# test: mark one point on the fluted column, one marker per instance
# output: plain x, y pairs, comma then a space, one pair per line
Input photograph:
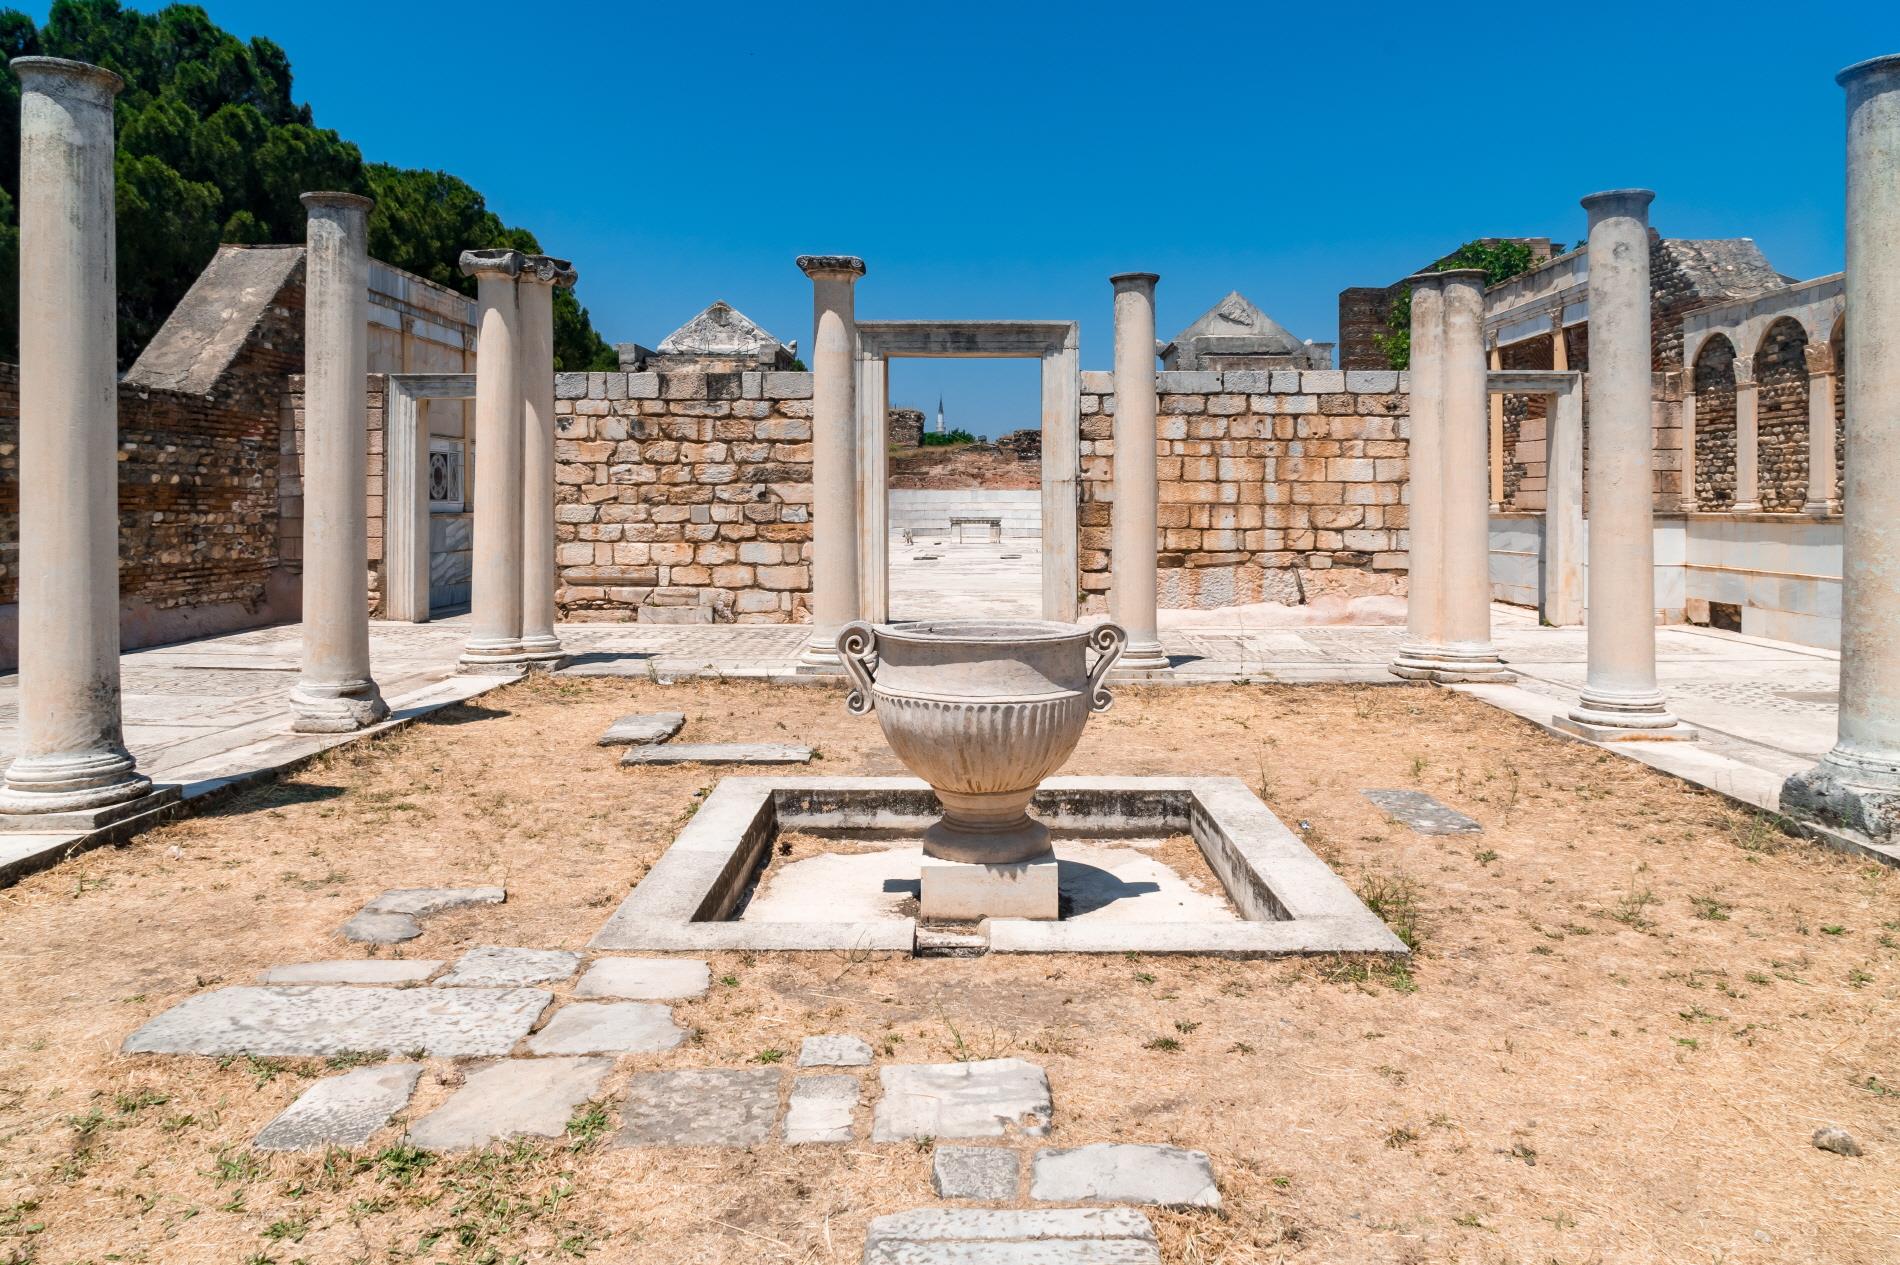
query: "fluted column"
1132, 587
834, 473
494, 644
1424, 582
1747, 437
1822, 383
1620, 699
540, 276
72, 757
1466, 653
336, 693
1857, 784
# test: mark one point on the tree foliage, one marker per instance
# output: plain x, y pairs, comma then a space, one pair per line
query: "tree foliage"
212, 148
1501, 260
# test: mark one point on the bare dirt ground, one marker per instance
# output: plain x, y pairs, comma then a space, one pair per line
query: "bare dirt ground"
1631, 1006
962, 466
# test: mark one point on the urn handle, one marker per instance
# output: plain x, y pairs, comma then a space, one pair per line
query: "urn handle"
857, 642
1108, 640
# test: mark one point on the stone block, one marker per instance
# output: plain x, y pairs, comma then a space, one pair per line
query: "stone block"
820, 1109
341, 1110
782, 385
962, 891
645, 979
297, 1021
1322, 381
1372, 381
969, 1236
570, 386
494, 966
642, 728
373, 928
614, 1027
1109, 1172
1098, 382
420, 902
1423, 813
718, 753
1285, 382
352, 971
833, 1051
513, 1098
709, 1107
987, 1098
990, 1173
1247, 381
643, 386
1187, 382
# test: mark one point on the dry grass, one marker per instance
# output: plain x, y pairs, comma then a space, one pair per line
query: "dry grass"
1631, 1006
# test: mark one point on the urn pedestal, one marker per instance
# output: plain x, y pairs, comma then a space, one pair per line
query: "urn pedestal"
983, 710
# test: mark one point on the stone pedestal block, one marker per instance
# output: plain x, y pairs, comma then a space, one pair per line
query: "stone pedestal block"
961, 891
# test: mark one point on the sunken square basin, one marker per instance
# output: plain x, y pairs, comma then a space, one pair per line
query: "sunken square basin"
1277, 897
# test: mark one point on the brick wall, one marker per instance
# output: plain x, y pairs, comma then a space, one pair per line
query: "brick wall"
1276, 486
290, 484
683, 497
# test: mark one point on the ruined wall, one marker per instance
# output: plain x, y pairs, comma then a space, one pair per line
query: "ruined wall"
1715, 425
1275, 486
1781, 375
683, 498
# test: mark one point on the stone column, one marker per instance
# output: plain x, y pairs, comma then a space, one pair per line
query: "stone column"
540, 276
1466, 652
494, 644
1132, 589
834, 468
1857, 784
1424, 601
1688, 440
1620, 699
1747, 438
1559, 349
1821, 386
1495, 456
336, 693
72, 758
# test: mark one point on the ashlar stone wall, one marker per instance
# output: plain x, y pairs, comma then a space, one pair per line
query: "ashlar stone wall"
1275, 486
683, 498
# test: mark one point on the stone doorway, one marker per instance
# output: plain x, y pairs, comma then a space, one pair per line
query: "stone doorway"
1051, 342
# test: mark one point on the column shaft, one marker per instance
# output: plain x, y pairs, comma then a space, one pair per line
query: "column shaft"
1132, 519
1747, 439
1688, 440
1424, 601
1857, 784
1495, 454
1466, 652
1821, 386
494, 644
336, 693
72, 755
540, 276
835, 600
1620, 698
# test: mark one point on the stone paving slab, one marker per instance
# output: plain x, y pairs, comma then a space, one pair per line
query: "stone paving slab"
1118, 1172
619, 1027
352, 971
341, 1110
420, 902
495, 966
645, 979
700, 1107
989, 1173
974, 1236
515, 1097
987, 1098
293, 1020
369, 927
718, 753
833, 1051
820, 1108
1423, 813
643, 729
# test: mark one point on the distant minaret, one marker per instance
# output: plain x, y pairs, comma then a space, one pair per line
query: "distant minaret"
940, 415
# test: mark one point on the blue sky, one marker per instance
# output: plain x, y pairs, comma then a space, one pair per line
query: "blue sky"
1002, 160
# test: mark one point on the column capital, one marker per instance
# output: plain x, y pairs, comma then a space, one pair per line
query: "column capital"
492, 263
1744, 369
1417, 279
1135, 280
62, 77
1820, 358
1463, 276
547, 270
1887, 66
336, 200
816, 266
1619, 202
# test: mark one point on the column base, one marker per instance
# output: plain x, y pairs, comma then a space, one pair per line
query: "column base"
72, 782
1142, 661
1745, 507
492, 659
1822, 509
1848, 791
336, 709
542, 653
20, 813
1452, 665
966, 891
1623, 718
820, 656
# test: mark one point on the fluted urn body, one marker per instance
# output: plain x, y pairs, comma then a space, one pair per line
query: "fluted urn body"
983, 710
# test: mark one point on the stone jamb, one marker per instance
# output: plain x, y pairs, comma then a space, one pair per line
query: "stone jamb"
406, 488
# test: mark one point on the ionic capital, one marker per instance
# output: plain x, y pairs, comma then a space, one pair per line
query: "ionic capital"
1744, 373
1820, 358
492, 263
547, 270
816, 266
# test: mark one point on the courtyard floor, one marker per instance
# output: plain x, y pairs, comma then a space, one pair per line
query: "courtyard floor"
1631, 1004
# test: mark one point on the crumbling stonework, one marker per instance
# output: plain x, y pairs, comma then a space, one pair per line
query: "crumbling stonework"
683, 498
1715, 425
905, 427
1782, 418
1275, 486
